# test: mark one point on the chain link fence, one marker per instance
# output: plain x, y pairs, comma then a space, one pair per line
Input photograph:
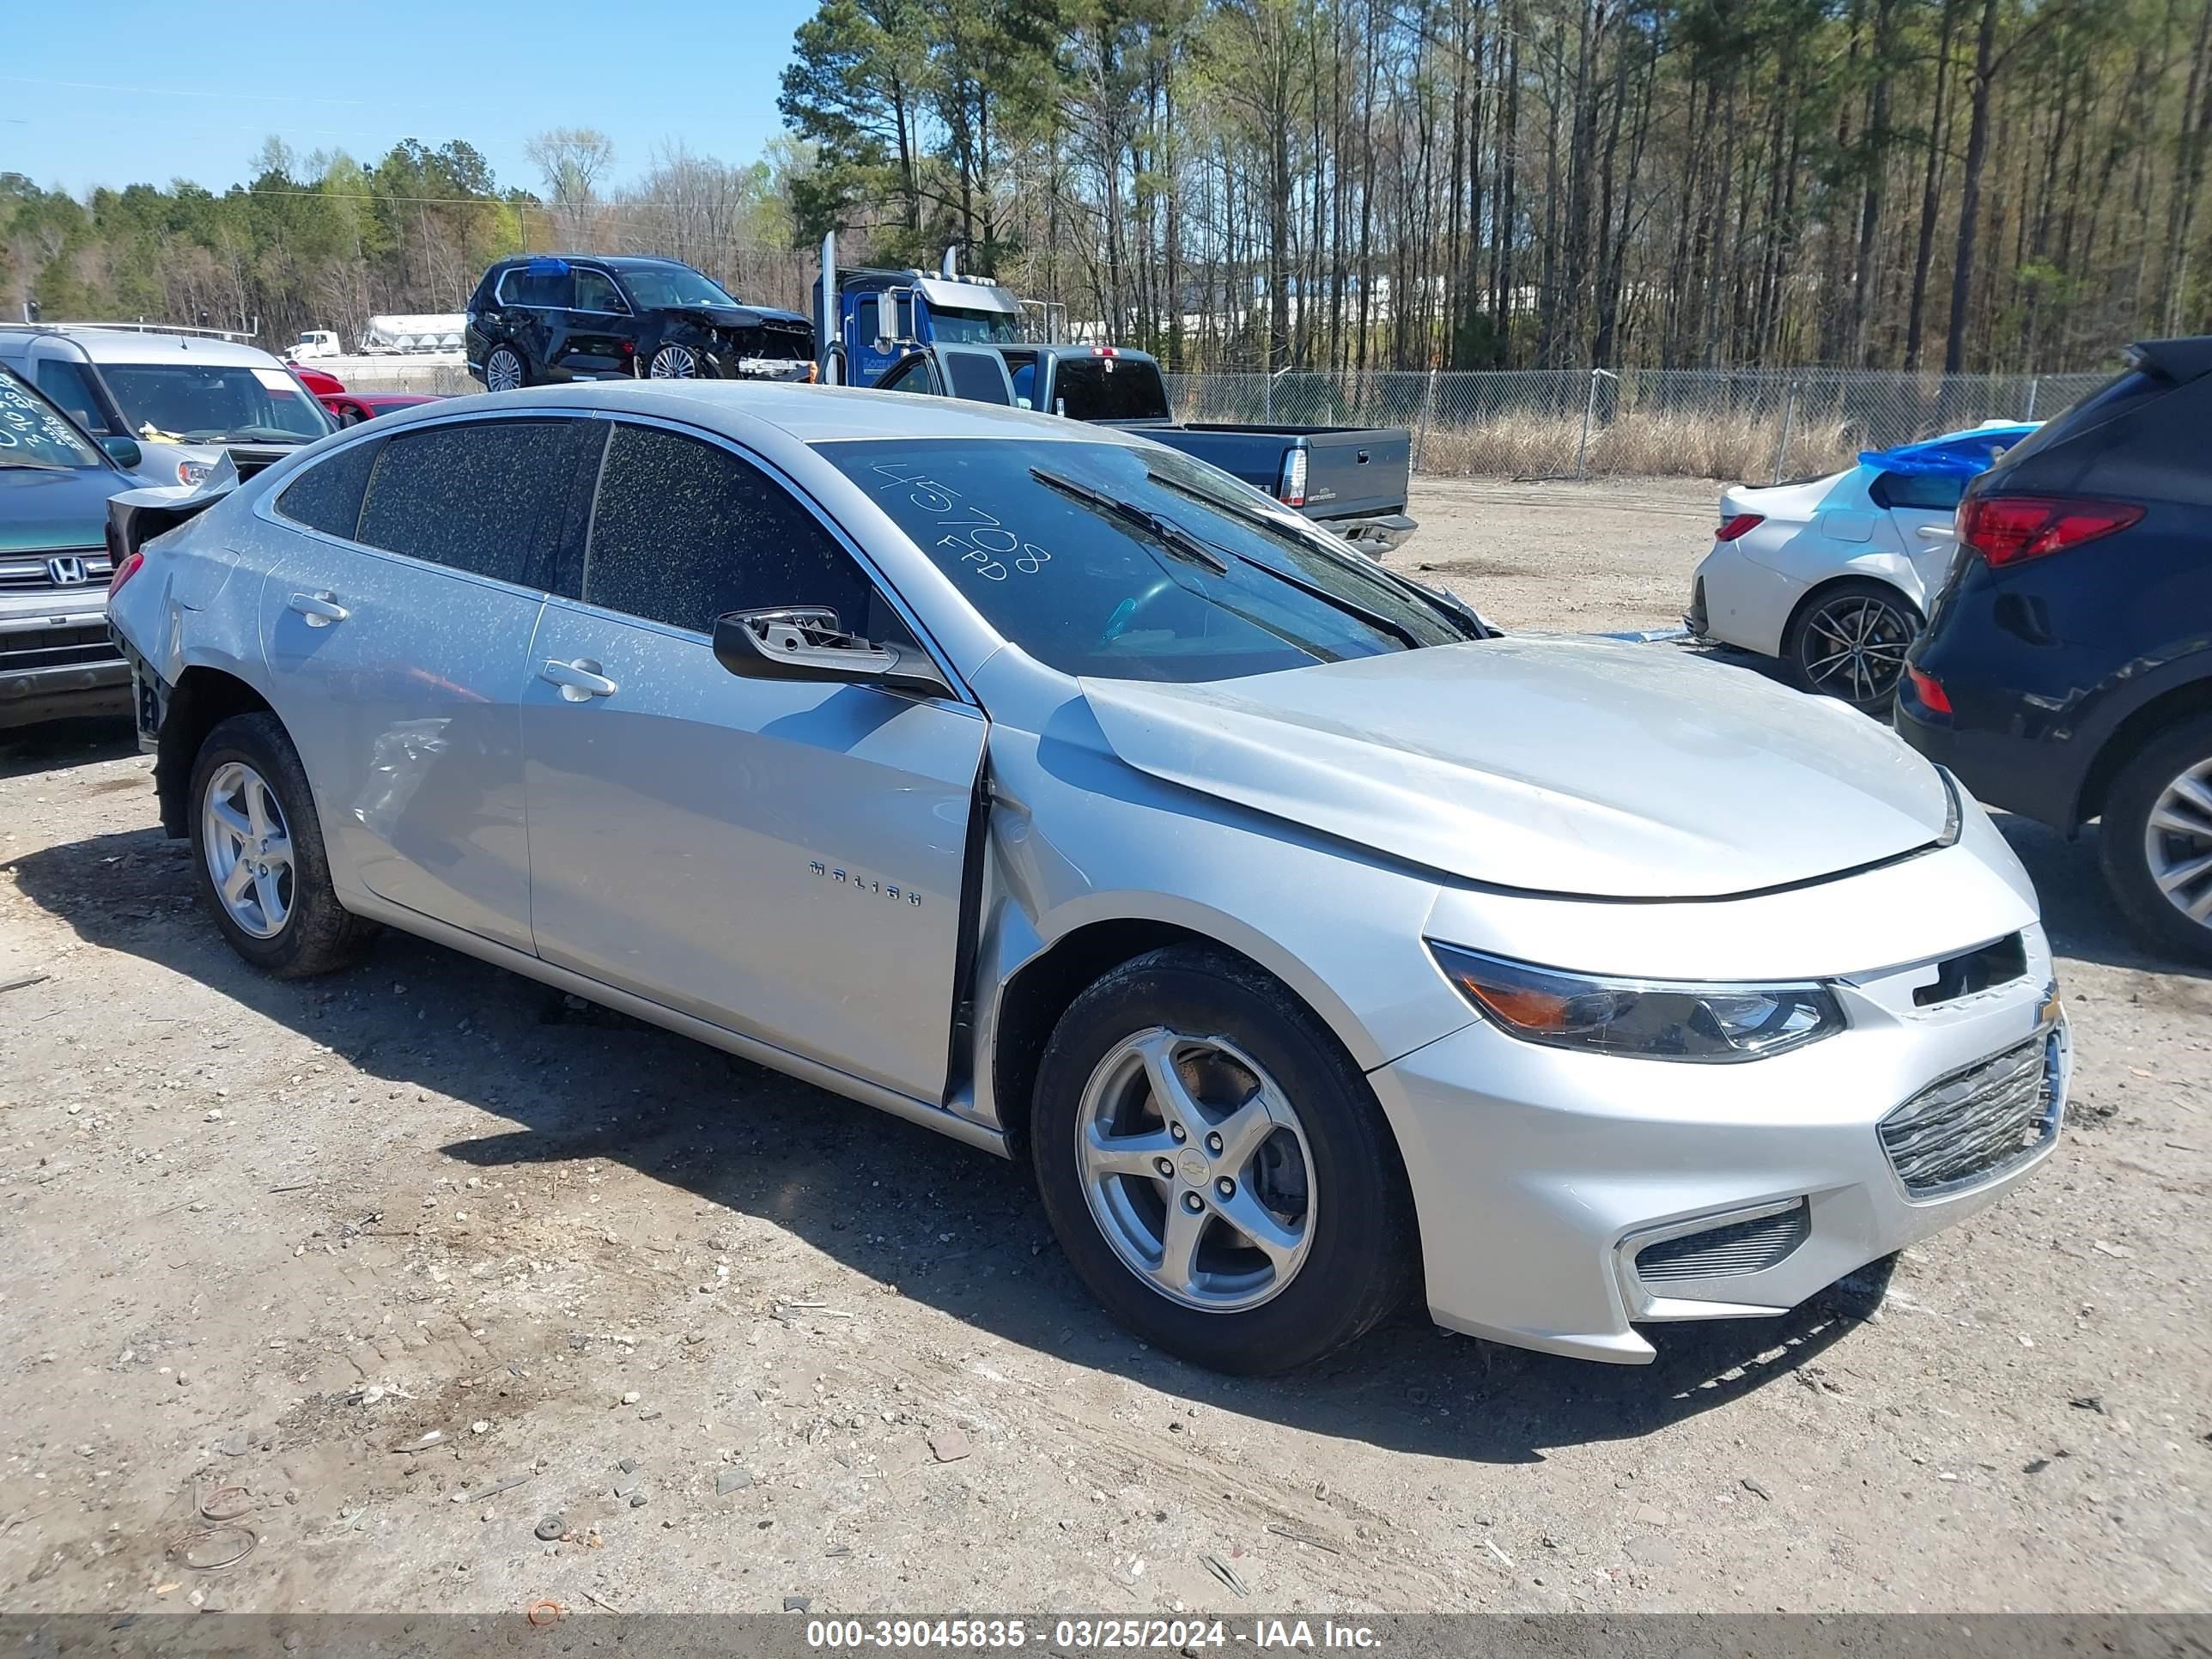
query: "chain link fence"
1739, 424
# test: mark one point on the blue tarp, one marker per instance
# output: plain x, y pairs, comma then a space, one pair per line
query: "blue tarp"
1954, 455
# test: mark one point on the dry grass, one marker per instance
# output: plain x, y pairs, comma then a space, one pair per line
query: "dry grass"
1645, 446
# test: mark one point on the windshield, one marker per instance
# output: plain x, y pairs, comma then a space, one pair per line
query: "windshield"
1131, 561
656, 286
214, 403
971, 327
33, 433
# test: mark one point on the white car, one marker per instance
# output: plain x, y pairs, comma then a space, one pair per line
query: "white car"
1834, 575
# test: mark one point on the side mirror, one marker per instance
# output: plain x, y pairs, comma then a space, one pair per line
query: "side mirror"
807, 643
124, 450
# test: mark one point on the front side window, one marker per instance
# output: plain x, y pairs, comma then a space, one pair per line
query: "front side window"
596, 291
70, 385
684, 531
1132, 562
912, 375
215, 402
327, 496
33, 434
658, 286
485, 497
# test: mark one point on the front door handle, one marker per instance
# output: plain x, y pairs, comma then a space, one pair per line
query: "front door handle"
577, 680
321, 610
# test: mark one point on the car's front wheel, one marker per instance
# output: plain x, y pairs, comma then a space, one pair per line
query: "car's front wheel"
1216, 1167
675, 363
2156, 842
505, 371
1850, 643
257, 847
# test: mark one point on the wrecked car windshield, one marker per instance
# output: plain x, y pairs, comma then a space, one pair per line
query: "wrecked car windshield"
659, 287
214, 403
1129, 562
33, 434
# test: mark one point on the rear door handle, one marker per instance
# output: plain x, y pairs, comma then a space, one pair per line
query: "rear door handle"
321, 610
1937, 532
577, 680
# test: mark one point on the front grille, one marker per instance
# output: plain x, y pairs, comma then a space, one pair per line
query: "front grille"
1976, 1124
54, 648
30, 573
1741, 1247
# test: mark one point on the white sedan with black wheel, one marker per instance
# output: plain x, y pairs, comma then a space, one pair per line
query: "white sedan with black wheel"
1833, 575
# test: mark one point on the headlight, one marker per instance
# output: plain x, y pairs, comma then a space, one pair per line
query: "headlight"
192, 472
1644, 1018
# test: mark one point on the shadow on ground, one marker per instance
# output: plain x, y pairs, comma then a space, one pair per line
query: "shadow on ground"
52, 744
953, 1228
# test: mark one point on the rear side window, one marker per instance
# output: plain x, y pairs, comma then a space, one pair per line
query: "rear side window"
485, 497
552, 290
327, 496
1929, 490
684, 531
982, 379
1106, 389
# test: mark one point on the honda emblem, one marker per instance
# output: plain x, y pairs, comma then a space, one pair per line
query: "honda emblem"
69, 572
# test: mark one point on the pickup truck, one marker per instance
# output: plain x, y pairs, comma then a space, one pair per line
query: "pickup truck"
1351, 480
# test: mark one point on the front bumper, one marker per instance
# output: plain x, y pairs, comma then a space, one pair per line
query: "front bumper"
56, 662
1540, 1174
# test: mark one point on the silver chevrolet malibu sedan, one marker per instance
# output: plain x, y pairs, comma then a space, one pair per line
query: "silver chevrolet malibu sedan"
1319, 947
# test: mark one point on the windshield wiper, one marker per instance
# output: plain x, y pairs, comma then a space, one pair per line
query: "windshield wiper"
38, 466
1457, 610
1167, 532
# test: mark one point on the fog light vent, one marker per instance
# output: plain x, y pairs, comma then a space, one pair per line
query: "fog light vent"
1724, 1252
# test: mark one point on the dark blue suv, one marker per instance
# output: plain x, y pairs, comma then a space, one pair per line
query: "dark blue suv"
2066, 671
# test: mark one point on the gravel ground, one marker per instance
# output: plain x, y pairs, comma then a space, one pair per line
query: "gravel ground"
734, 1340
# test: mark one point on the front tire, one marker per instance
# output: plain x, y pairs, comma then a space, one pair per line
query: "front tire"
675, 363
1216, 1167
257, 847
1848, 642
2156, 840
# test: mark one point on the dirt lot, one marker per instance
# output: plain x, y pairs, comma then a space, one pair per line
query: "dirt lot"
263, 1235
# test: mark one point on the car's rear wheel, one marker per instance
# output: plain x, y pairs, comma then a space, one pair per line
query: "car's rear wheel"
1850, 643
505, 371
1216, 1167
674, 362
258, 846
2156, 843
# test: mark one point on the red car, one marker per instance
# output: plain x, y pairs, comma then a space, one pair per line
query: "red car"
352, 408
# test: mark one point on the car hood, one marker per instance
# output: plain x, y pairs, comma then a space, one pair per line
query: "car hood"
40, 511
735, 317
1553, 765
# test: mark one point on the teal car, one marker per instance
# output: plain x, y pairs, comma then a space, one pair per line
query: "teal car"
56, 658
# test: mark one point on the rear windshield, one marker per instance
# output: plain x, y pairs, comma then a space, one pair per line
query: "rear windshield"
2115, 397
1108, 389
1223, 582
214, 403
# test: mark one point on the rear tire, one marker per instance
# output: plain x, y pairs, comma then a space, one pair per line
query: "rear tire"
2157, 830
249, 799
505, 370
1315, 1170
1847, 642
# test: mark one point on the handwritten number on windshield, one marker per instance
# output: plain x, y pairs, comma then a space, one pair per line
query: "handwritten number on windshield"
979, 538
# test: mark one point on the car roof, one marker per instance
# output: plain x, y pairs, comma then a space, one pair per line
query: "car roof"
125, 345
617, 261
811, 414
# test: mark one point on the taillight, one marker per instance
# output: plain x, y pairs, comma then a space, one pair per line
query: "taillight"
2013, 529
1930, 690
1738, 525
124, 573
1292, 492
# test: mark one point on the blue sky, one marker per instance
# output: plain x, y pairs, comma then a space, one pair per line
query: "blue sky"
117, 92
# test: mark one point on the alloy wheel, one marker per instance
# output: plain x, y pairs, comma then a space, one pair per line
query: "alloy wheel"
2178, 843
1855, 647
248, 850
1196, 1170
502, 371
675, 363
